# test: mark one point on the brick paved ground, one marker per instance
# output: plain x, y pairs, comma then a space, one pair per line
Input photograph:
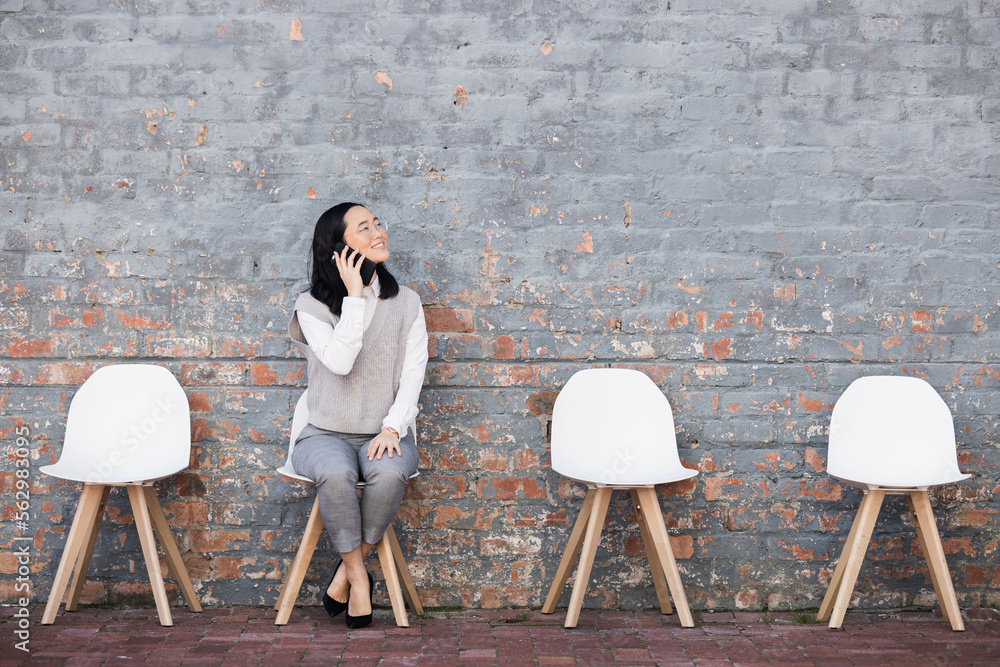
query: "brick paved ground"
247, 636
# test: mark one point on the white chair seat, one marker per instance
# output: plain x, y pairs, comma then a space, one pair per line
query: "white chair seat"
288, 471
915, 484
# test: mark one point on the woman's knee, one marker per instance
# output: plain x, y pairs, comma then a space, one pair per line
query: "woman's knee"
390, 471
379, 476
340, 478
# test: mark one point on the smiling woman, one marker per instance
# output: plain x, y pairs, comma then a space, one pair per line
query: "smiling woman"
365, 341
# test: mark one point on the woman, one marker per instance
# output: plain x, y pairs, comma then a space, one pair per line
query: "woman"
366, 347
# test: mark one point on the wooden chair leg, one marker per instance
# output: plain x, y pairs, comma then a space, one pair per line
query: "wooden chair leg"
931, 565
90, 500
83, 561
595, 524
140, 512
838, 573
650, 506
310, 525
297, 572
391, 574
659, 582
569, 556
173, 554
409, 589
930, 542
868, 513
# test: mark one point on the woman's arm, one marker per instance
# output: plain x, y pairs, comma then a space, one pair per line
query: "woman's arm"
404, 408
337, 346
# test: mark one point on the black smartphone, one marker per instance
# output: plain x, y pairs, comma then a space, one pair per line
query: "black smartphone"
367, 266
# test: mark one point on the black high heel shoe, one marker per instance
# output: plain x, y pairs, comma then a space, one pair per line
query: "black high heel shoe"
332, 606
355, 622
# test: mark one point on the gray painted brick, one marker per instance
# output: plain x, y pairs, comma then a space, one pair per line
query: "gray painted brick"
991, 110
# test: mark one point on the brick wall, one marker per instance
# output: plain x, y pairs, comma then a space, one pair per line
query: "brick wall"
755, 204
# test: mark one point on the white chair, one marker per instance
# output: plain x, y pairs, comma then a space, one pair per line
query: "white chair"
128, 425
891, 435
397, 576
612, 429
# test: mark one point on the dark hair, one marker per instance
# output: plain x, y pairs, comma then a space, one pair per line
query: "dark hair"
326, 283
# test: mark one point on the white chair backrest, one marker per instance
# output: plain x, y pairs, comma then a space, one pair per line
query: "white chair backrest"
613, 426
127, 423
892, 431
299, 421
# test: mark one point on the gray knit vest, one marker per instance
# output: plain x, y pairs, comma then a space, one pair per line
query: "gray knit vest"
359, 401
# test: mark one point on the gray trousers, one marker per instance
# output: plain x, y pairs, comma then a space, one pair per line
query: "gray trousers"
335, 462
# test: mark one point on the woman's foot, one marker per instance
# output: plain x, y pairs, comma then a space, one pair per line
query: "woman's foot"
335, 598
359, 604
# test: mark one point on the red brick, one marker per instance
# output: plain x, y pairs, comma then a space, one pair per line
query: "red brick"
503, 347
720, 349
813, 404
511, 488
453, 517
204, 540
717, 488
199, 402
921, 321
541, 402
228, 567
682, 545
449, 319
191, 484
39, 347
435, 487
67, 372
186, 513
266, 374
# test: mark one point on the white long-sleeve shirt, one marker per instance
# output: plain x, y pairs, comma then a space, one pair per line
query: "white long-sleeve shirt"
338, 346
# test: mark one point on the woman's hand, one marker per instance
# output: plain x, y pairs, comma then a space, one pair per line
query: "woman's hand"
387, 440
350, 270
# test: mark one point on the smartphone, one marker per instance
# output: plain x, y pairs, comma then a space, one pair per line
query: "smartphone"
367, 266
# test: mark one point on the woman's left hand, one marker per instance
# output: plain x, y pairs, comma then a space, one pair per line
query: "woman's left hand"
384, 441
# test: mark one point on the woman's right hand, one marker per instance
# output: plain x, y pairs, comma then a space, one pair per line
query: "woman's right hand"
350, 270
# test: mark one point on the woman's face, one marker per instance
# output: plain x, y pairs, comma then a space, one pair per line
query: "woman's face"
364, 233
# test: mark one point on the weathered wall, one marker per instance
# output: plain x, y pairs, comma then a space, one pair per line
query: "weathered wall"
754, 203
